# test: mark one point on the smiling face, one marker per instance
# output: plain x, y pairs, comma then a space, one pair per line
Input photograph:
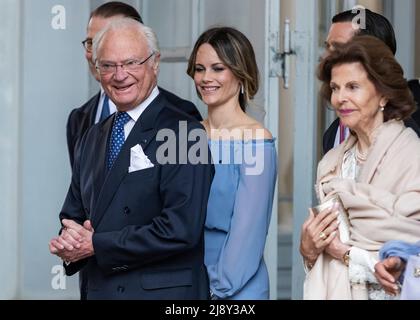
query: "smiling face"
355, 98
127, 89
214, 81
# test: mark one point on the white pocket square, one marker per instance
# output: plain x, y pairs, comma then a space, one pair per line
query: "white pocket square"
138, 160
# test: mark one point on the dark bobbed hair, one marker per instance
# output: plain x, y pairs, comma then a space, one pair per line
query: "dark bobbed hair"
116, 8
236, 52
376, 25
382, 69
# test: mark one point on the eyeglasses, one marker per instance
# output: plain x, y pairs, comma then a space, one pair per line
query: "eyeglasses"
128, 66
87, 44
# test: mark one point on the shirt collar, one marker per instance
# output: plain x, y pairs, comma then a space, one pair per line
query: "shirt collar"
137, 111
102, 92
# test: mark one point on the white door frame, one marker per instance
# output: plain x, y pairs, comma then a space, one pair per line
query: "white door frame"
271, 96
304, 164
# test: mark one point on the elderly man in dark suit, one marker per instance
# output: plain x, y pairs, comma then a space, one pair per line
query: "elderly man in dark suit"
99, 107
132, 222
342, 30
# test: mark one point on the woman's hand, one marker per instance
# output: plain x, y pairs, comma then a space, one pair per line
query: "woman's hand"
336, 248
388, 272
318, 232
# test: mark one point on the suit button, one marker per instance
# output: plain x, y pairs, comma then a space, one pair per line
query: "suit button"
126, 210
120, 289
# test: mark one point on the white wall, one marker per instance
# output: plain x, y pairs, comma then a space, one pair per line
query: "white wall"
54, 81
404, 26
173, 22
9, 146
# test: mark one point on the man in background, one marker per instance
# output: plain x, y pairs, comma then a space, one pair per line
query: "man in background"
414, 85
344, 27
99, 107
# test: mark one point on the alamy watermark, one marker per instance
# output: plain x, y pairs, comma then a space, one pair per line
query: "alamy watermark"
183, 146
359, 21
58, 21
58, 281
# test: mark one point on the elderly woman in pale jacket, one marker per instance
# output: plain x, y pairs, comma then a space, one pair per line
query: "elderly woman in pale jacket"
375, 173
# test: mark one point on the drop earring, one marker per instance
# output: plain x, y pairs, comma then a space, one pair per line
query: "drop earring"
242, 89
382, 105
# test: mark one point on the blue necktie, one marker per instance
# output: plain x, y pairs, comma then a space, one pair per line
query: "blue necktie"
117, 137
105, 109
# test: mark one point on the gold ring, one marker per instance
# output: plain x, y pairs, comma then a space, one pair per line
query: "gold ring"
322, 235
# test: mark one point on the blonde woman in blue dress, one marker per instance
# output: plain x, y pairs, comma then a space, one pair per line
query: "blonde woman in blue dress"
225, 74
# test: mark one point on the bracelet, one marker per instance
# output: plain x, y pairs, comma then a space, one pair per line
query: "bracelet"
307, 266
346, 258
310, 264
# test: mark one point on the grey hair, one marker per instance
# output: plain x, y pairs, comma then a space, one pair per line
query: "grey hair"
126, 23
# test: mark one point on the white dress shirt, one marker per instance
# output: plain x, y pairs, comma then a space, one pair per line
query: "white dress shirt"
112, 107
137, 111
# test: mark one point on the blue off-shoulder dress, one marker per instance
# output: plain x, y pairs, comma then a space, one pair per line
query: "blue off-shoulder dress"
238, 217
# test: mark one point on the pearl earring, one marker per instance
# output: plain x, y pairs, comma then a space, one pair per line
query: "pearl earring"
382, 109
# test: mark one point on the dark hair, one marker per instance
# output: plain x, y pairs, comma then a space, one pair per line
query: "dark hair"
116, 8
382, 69
236, 53
376, 25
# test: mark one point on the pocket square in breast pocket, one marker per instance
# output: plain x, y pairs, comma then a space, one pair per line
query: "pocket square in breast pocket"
138, 159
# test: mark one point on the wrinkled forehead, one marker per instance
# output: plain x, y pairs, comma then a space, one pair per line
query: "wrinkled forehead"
349, 71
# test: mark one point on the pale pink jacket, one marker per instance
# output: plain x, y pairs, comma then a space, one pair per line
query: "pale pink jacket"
383, 204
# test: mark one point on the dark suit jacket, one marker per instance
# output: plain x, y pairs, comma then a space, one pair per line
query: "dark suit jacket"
329, 135
148, 224
81, 119
415, 89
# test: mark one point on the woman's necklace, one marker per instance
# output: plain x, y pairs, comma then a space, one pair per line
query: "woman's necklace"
360, 157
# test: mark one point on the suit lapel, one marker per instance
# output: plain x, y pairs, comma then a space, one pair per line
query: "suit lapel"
100, 170
92, 110
142, 133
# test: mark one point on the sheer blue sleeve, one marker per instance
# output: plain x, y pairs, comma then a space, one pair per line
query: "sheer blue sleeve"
395, 248
242, 252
